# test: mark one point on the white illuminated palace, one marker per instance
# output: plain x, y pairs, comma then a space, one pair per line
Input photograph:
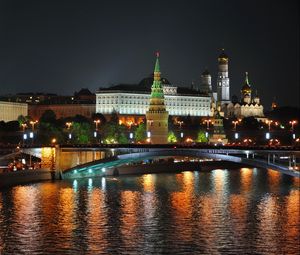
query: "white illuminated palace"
198, 101
134, 99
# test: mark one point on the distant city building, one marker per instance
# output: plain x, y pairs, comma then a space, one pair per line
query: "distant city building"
10, 111
156, 115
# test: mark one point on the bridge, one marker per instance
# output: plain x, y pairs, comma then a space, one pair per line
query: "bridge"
78, 162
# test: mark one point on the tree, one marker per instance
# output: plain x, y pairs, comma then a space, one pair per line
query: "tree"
48, 117
172, 137
82, 132
114, 117
201, 137
23, 120
99, 116
140, 133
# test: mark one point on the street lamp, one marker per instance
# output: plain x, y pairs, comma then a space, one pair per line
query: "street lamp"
180, 123
269, 122
235, 122
68, 124
24, 126
97, 123
207, 123
33, 123
293, 122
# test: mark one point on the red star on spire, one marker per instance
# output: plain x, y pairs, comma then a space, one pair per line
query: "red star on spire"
157, 54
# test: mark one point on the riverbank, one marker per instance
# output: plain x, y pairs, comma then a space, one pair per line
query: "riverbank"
25, 176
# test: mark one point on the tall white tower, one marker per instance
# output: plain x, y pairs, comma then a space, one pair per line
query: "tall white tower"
223, 80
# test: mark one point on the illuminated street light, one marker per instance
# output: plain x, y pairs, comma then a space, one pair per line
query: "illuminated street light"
269, 122
235, 122
181, 134
97, 123
25, 136
33, 123
267, 135
207, 123
69, 124
53, 141
180, 123
293, 122
24, 126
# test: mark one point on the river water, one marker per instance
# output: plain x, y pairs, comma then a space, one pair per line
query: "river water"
241, 211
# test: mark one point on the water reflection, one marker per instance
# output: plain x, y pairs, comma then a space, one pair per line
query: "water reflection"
242, 211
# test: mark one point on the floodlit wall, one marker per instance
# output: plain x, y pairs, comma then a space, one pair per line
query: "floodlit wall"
10, 111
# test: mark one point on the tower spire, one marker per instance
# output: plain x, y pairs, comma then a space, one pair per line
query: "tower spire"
156, 88
246, 78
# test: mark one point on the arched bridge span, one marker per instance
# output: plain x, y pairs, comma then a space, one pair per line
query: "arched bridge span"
99, 167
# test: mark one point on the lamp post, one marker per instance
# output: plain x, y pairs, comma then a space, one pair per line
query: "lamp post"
96, 124
235, 122
32, 123
31, 135
208, 121
269, 122
180, 123
69, 124
293, 122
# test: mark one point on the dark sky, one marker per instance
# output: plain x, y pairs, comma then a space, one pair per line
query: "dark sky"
62, 46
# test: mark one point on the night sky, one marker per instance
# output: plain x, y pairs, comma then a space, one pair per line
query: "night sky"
62, 46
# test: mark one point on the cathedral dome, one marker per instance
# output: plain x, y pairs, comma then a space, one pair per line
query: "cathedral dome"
246, 89
206, 72
148, 81
223, 58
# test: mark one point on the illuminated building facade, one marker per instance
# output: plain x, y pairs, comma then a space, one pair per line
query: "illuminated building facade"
10, 111
249, 106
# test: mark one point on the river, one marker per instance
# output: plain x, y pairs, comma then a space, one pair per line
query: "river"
241, 211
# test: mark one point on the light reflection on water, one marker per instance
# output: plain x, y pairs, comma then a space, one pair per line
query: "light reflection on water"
241, 211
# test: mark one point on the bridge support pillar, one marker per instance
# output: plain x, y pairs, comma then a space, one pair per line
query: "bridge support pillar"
253, 155
290, 163
274, 156
268, 158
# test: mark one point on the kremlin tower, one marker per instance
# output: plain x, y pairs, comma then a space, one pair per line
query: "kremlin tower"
157, 116
223, 80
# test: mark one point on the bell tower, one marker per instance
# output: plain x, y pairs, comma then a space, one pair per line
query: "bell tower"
157, 116
223, 79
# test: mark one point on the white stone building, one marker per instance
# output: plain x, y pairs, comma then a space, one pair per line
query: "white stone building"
10, 111
248, 106
134, 99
